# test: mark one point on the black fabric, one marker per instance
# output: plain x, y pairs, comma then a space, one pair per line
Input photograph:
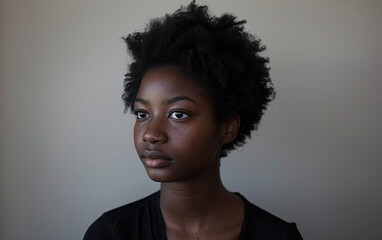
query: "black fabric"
142, 220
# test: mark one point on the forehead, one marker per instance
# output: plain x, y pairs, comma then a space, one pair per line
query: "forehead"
170, 80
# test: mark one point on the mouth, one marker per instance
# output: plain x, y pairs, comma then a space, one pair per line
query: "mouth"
155, 159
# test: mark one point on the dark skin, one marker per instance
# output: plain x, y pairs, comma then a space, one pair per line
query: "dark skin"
179, 140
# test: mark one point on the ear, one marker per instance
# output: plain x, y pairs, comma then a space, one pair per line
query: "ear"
229, 129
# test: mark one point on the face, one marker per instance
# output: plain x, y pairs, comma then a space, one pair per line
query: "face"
176, 134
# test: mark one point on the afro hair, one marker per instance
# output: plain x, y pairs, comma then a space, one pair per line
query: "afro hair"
217, 52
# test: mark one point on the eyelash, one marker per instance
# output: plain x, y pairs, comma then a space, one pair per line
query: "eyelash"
138, 112
178, 112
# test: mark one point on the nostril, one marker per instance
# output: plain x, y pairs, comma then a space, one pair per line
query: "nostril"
153, 136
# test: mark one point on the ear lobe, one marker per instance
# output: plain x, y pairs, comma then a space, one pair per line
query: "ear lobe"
230, 128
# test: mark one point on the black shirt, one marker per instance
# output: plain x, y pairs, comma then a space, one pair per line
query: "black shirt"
143, 220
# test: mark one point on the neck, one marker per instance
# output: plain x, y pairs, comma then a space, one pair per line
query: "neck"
194, 202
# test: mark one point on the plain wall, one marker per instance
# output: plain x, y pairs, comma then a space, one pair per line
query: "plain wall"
66, 147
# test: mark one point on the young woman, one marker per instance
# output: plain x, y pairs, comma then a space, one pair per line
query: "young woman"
198, 87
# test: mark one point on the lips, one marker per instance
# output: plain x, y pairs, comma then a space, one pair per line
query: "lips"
155, 159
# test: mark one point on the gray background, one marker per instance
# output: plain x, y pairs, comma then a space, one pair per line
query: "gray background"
66, 147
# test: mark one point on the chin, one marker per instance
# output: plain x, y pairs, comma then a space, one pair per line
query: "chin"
157, 176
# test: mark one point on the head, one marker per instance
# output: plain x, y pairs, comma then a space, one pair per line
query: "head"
217, 54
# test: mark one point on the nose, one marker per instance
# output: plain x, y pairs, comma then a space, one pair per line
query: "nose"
154, 133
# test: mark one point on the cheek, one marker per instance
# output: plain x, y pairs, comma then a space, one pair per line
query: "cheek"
197, 140
136, 136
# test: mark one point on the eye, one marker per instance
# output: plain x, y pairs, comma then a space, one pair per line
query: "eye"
141, 114
178, 115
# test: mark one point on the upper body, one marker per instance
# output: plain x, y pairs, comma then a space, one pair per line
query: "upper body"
198, 87
143, 220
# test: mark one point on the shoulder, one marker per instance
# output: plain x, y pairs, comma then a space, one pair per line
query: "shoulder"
259, 223
106, 226
133, 208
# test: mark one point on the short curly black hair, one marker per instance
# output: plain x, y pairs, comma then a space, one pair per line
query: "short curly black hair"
217, 52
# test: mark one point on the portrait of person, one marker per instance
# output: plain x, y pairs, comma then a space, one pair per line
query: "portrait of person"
190, 119
198, 87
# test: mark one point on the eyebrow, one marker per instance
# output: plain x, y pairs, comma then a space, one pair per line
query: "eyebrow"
168, 101
141, 101
180, 98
